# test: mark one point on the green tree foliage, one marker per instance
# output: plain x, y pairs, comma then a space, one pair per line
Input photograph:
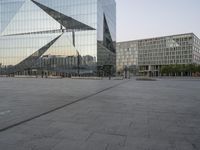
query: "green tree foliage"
180, 70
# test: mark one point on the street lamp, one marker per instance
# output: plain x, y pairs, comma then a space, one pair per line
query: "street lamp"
126, 67
0, 68
78, 62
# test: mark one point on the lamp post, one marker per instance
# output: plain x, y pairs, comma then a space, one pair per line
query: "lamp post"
125, 71
78, 63
0, 69
126, 67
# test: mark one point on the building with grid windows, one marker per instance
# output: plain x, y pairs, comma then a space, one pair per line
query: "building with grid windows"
151, 54
127, 56
51, 37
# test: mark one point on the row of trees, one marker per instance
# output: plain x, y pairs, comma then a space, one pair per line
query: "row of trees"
181, 70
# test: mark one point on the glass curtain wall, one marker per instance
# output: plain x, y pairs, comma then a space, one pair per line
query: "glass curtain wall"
48, 37
106, 37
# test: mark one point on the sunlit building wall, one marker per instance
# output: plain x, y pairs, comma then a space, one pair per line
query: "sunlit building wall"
57, 37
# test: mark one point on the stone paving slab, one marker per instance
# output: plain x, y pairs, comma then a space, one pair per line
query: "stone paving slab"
135, 115
22, 98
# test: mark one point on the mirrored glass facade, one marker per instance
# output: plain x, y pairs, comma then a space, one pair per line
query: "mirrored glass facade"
51, 37
127, 55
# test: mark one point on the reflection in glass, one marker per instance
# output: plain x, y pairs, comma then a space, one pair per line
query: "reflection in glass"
57, 37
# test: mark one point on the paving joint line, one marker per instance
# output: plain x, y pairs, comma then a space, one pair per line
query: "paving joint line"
59, 108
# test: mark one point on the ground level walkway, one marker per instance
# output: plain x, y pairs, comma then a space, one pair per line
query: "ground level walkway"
66, 114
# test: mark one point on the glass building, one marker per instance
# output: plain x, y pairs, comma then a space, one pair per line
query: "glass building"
127, 56
153, 53
57, 37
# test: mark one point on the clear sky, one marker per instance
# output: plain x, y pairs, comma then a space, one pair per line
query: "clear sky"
138, 19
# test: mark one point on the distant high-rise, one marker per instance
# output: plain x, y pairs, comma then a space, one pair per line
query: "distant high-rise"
57, 36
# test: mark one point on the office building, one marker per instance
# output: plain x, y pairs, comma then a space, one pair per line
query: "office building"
127, 57
57, 37
153, 53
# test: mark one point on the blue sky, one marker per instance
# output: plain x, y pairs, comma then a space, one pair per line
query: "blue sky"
137, 19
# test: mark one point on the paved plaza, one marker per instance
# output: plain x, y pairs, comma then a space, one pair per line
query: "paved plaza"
65, 114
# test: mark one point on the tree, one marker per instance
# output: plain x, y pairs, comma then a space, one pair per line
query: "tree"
163, 70
172, 70
182, 69
198, 68
177, 69
192, 69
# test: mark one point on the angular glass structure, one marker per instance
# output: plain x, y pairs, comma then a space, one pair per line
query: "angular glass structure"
62, 37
